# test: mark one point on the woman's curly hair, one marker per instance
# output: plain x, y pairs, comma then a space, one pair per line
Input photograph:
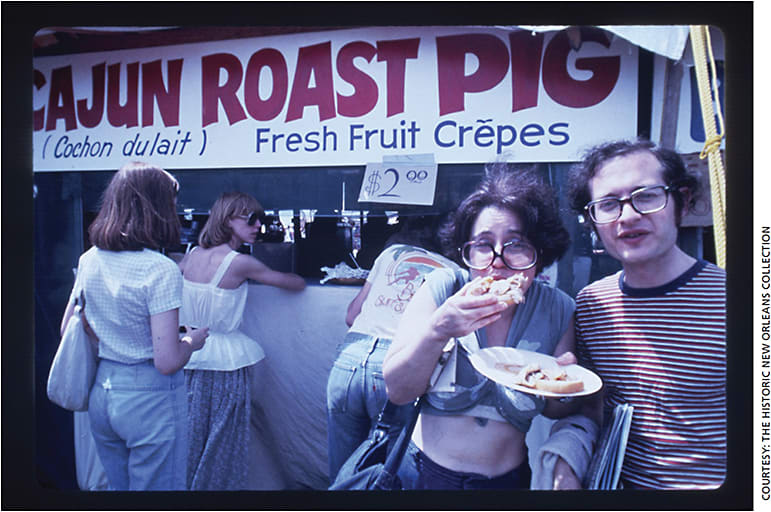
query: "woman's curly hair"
521, 191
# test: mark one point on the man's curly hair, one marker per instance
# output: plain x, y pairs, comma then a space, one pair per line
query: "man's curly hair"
675, 174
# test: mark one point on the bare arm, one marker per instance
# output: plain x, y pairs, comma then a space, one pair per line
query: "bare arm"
252, 268
424, 330
170, 353
354, 308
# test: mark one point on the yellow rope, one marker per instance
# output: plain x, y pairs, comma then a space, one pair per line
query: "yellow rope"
701, 44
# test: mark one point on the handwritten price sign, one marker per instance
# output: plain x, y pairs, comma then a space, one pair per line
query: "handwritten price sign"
399, 183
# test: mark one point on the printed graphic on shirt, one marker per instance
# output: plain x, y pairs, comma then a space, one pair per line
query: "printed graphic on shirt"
403, 277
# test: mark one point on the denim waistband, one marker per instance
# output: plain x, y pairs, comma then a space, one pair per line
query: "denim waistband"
517, 478
353, 336
136, 376
373, 342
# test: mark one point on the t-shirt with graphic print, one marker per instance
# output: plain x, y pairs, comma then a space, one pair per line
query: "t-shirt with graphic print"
396, 275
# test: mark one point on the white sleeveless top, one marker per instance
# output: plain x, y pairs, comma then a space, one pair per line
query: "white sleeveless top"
220, 309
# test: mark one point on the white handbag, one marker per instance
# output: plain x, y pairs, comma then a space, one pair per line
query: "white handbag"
74, 368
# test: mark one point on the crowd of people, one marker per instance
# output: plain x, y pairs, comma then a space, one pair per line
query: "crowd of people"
170, 408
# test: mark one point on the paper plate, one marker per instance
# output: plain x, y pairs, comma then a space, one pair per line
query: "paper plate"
484, 362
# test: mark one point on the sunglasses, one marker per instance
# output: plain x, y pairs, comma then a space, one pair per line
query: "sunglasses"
250, 219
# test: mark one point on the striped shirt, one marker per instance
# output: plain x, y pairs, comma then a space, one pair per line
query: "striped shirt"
662, 350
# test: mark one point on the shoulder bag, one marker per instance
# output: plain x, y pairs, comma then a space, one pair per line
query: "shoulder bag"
373, 465
74, 368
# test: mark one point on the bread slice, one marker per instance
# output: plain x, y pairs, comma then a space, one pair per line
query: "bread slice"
509, 290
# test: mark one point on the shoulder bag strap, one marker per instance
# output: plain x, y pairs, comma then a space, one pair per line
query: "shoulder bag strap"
396, 454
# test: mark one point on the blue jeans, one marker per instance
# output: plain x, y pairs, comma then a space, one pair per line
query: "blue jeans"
139, 422
417, 471
355, 396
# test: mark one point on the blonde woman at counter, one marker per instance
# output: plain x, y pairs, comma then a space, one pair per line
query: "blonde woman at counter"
218, 378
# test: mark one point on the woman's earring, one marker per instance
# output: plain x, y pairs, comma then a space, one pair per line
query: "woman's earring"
597, 247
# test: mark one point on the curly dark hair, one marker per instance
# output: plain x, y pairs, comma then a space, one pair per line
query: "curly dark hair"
521, 191
675, 173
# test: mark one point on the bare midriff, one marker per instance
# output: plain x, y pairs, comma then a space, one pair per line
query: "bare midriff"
461, 443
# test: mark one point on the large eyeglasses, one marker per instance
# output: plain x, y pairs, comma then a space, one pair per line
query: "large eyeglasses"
517, 255
250, 219
644, 200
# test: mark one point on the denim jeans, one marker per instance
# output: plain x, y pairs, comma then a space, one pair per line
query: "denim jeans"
418, 472
355, 396
139, 423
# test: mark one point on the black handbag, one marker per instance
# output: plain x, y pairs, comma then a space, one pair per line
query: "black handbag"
373, 465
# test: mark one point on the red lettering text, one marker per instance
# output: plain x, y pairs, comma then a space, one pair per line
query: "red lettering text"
91, 117
153, 89
212, 93
127, 113
259, 109
451, 61
395, 55
526, 51
61, 89
364, 97
316, 62
565, 90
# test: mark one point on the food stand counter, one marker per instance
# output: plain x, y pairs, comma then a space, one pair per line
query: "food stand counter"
300, 332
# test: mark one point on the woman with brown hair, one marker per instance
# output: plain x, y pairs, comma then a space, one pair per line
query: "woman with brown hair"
218, 377
470, 433
132, 295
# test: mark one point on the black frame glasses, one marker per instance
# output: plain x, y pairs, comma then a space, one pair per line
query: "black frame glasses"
505, 249
635, 199
250, 219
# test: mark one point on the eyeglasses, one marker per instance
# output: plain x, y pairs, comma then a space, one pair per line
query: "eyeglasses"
516, 254
250, 219
644, 200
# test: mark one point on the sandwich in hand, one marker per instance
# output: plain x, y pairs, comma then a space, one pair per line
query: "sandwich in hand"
508, 290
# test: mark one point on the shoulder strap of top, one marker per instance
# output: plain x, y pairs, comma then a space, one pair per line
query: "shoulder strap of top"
223, 267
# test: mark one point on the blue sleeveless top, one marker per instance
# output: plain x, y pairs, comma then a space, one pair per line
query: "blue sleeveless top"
538, 325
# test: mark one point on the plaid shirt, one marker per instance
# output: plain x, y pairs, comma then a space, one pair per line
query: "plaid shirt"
123, 289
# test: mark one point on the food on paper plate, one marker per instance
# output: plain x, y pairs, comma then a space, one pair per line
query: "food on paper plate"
509, 290
343, 274
544, 379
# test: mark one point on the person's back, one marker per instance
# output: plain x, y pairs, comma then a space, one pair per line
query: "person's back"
396, 276
137, 404
206, 301
356, 391
120, 288
219, 378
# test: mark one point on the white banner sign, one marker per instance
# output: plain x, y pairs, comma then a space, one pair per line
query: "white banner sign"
347, 97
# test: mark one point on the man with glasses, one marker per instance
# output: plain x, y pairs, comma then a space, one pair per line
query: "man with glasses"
654, 331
